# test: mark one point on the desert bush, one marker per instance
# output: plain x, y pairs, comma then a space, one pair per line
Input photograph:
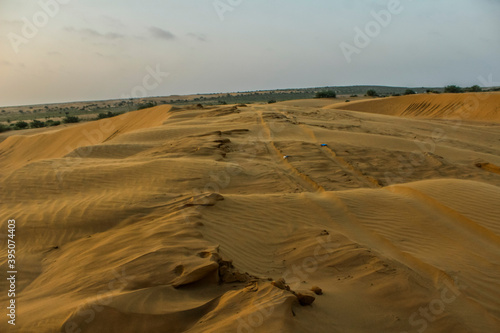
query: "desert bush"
109, 114
4, 128
146, 105
475, 88
371, 93
37, 124
326, 94
410, 92
51, 122
20, 125
271, 101
453, 89
71, 119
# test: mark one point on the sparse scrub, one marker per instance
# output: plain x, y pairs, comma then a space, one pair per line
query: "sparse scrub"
20, 125
109, 114
146, 105
4, 128
371, 93
37, 124
326, 94
475, 88
71, 119
51, 123
453, 89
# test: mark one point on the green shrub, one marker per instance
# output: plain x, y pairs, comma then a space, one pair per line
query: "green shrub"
37, 124
146, 105
4, 128
410, 92
453, 89
371, 93
475, 88
271, 101
71, 119
20, 125
51, 122
109, 114
326, 94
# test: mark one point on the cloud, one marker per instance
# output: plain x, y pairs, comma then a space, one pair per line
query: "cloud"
112, 22
87, 32
161, 33
198, 37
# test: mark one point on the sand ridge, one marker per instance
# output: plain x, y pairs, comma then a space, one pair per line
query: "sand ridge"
468, 106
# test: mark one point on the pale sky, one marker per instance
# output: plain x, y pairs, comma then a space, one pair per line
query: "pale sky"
98, 49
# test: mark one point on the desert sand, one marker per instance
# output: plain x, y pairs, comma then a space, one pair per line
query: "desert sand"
226, 219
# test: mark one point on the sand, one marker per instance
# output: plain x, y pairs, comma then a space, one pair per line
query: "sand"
470, 106
226, 219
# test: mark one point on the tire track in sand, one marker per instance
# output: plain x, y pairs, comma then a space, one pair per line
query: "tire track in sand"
288, 169
339, 161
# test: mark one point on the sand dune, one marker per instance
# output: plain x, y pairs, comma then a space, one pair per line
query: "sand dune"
469, 106
225, 219
19, 150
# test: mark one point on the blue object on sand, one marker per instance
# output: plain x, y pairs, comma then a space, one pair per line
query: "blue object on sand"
324, 145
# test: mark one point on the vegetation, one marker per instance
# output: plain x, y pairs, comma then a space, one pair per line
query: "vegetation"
271, 101
51, 122
37, 124
453, 89
20, 125
71, 119
474, 88
410, 92
4, 128
371, 93
109, 114
146, 105
326, 94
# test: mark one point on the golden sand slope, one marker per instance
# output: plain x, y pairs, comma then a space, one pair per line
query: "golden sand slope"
469, 106
17, 151
396, 220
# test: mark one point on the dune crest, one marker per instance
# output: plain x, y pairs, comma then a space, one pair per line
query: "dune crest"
467, 106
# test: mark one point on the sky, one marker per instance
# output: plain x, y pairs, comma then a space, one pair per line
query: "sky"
73, 50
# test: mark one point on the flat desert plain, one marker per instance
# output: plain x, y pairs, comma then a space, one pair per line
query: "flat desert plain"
380, 215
